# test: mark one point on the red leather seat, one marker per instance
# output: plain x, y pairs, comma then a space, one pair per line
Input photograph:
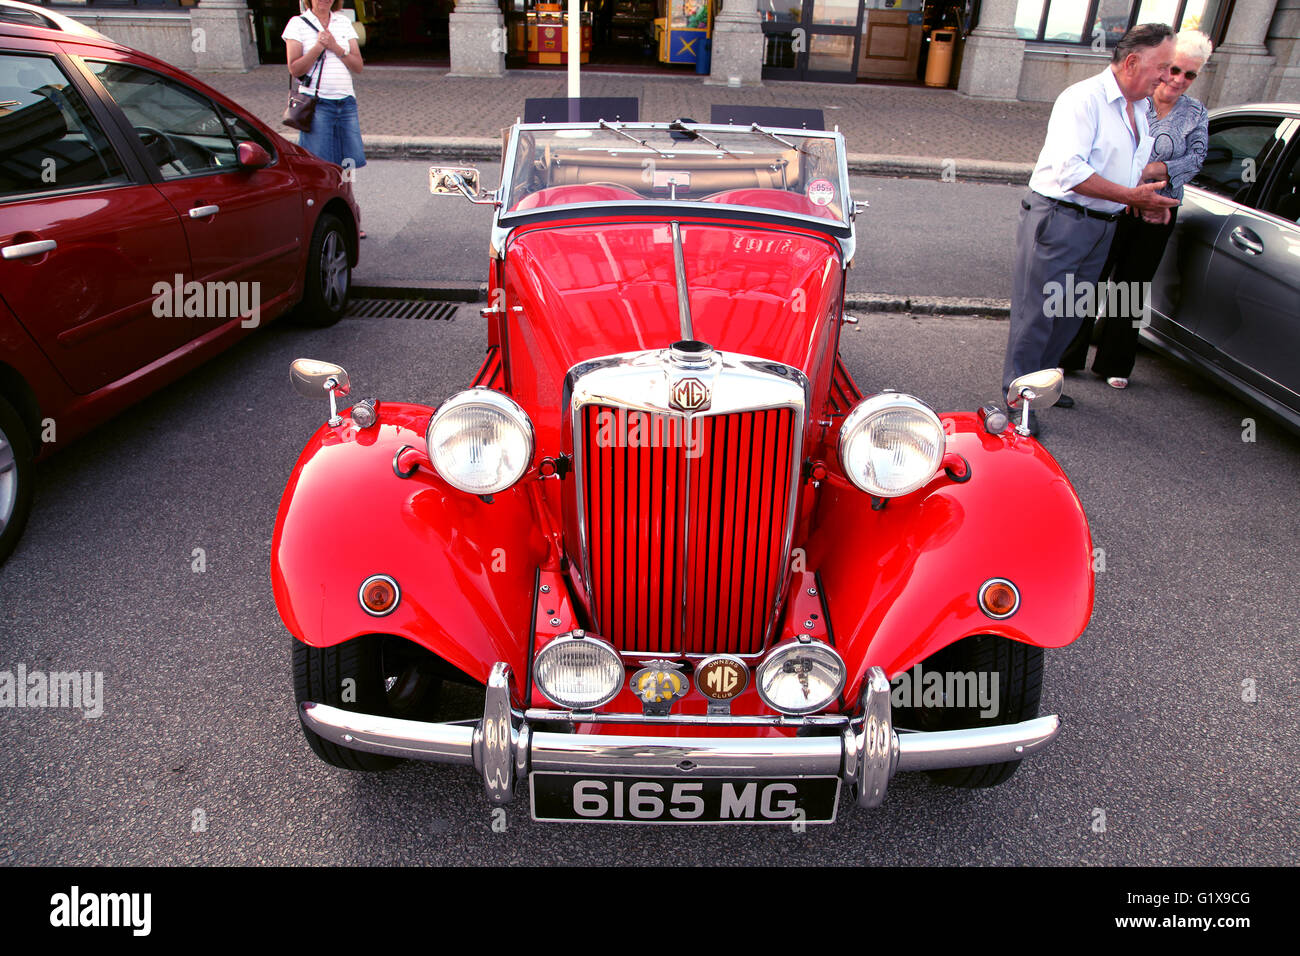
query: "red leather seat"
773, 199
587, 192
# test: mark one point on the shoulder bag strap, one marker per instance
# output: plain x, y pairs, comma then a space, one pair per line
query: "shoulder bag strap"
319, 66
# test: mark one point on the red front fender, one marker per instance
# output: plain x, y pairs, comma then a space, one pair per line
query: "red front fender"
902, 582
345, 515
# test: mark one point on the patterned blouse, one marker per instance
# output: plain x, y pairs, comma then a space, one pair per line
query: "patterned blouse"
1181, 139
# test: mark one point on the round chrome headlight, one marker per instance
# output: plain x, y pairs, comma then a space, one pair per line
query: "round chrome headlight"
891, 444
480, 441
799, 678
579, 672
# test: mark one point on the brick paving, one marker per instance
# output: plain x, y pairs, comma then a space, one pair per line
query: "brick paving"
426, 104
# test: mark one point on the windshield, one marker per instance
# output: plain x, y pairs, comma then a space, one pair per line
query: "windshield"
782, 170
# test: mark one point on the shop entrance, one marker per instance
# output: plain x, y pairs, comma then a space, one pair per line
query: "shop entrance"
661, 36
843, 41
393, 31
817, 40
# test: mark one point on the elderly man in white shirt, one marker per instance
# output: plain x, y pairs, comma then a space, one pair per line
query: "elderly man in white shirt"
1089, 170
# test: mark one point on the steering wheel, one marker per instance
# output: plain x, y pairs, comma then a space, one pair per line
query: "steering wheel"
178, 151
157, 144
194, 155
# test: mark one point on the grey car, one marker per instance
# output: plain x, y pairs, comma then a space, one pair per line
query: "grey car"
1226, 298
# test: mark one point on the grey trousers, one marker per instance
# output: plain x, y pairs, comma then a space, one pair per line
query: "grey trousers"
1054, 244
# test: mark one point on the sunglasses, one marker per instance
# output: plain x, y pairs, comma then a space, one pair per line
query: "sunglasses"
1176, 70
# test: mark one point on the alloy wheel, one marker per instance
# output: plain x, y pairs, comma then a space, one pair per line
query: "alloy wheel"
8, 480
334, 271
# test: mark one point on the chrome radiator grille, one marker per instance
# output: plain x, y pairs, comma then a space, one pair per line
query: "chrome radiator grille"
686, 524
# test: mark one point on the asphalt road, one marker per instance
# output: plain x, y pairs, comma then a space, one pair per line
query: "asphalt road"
197, 757
914, 239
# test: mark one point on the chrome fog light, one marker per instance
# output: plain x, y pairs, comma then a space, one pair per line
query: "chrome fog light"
799, 677
579, 672
480, 441
891, 444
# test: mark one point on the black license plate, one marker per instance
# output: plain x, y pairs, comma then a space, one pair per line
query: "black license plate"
619, 799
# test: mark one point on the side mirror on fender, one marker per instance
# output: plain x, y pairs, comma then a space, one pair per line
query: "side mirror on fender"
1043, 388
311, 378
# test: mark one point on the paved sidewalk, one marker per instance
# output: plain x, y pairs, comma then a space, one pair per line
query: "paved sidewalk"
891, 130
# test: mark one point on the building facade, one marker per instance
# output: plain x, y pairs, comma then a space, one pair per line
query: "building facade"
1004, 49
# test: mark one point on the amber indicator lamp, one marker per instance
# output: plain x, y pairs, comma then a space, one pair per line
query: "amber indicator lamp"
379, 594
999, 598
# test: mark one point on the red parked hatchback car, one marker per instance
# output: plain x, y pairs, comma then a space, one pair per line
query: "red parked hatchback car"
146, 223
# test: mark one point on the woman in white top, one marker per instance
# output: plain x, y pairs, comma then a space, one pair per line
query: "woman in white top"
322, 45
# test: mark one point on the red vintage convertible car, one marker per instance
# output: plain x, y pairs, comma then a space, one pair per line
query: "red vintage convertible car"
663, 559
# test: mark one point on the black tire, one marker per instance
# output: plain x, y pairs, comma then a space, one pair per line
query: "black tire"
318, 676
1019, 669
15, 478
329, 275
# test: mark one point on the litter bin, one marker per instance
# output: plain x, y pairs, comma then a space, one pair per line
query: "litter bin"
939, 65
705, 56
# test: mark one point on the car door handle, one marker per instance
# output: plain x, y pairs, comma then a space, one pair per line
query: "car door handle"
24, 249
202, 212
1246, 241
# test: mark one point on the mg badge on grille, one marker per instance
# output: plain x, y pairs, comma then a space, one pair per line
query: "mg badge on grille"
659, 684
721, 679
689, 394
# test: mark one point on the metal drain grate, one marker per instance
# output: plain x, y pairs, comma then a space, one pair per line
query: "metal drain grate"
402, 309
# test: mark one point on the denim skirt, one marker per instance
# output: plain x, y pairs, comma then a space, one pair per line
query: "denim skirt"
335, 133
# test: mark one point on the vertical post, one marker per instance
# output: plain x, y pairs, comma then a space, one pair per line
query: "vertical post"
737, 45
1284, 41
1243, 63
575, 53
991, 62
222, 36
477, 37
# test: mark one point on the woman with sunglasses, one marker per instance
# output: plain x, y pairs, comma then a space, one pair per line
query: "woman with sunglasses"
1181, 130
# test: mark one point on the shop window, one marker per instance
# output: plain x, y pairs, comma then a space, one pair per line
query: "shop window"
1100, 23
114, 3
780, 10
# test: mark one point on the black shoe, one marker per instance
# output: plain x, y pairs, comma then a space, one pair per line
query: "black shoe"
1015, 416
1065, 401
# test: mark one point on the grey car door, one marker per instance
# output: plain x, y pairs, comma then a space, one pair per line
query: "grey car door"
1240, 146
1251, 316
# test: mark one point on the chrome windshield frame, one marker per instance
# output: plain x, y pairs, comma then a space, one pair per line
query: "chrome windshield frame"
507, 219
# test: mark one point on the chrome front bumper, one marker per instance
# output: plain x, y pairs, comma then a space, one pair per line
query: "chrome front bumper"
503, 748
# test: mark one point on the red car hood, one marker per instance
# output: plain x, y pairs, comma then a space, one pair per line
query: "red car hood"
580, 291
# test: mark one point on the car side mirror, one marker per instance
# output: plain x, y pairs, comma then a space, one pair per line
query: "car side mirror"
311, 379
1043, 388
253, 156
450, 180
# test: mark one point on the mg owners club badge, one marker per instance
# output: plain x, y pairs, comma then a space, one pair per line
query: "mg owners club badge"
721, 679
659, 685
